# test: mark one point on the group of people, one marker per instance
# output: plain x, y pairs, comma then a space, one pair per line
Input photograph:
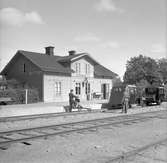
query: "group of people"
74, 99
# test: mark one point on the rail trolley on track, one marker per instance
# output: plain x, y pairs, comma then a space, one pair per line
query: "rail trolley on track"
148, 95
116, 96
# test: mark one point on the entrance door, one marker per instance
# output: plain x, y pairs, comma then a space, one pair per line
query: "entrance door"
105, 90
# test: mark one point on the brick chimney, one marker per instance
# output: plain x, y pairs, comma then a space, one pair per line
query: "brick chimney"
49, 50
72, 52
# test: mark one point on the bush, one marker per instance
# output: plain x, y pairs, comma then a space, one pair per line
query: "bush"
33, 96
18, 95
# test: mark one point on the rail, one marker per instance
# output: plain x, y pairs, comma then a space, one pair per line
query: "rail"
15, 136
126, 155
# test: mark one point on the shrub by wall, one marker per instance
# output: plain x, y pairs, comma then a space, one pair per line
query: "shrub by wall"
33, 96
18, 95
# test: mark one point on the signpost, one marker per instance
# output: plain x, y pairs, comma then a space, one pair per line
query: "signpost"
26, 96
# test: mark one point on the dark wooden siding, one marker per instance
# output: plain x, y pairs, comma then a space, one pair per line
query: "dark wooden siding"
26, 73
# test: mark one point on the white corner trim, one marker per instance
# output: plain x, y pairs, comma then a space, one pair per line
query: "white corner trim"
78, 57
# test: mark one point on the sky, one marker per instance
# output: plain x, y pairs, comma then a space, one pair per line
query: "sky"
111, 31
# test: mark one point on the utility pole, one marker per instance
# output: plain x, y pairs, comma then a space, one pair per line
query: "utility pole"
26, 96
0, 62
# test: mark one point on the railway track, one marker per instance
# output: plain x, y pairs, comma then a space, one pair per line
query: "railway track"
138, 151
23, 135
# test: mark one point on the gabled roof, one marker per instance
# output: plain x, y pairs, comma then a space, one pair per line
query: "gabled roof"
55, 63
45, 62
70, 57
101, 71
75, 57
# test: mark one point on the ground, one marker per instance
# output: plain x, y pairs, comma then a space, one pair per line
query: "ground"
94, 146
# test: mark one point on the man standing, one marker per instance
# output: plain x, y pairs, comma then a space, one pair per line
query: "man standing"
71, 100
125, 101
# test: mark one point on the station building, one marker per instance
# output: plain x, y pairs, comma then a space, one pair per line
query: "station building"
53, 76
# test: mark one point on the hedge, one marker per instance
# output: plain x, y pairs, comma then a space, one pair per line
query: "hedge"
18, 95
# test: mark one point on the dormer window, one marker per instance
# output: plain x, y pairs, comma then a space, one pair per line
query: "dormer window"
87, 68
77, 68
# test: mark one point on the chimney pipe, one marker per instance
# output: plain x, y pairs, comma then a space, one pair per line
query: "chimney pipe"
72, 52
49, 50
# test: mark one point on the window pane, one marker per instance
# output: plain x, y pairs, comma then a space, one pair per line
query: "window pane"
57, 88
78, 88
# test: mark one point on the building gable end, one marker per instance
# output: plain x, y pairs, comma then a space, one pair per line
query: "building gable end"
14, 60
87, 57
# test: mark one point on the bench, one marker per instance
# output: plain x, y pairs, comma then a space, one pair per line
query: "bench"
97, 95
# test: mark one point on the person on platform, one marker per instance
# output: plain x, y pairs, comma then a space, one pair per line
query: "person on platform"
125, 101
71, 100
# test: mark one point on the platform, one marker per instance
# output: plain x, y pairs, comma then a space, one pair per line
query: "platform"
44, 108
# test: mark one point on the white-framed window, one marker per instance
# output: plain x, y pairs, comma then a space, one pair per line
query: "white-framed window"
87, 68
77, 88
87, 88
78, 68
57, 88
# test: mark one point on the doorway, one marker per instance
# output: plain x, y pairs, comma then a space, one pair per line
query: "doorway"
105, 91
87, 91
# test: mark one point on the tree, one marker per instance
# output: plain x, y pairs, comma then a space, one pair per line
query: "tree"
117, 81
163, 68
142, 68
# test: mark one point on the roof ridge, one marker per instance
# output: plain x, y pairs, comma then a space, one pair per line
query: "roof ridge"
54, 55
30, 52
39, 53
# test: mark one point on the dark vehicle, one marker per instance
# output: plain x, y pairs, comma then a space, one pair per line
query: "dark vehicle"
117, 92
151, 95
5, 100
